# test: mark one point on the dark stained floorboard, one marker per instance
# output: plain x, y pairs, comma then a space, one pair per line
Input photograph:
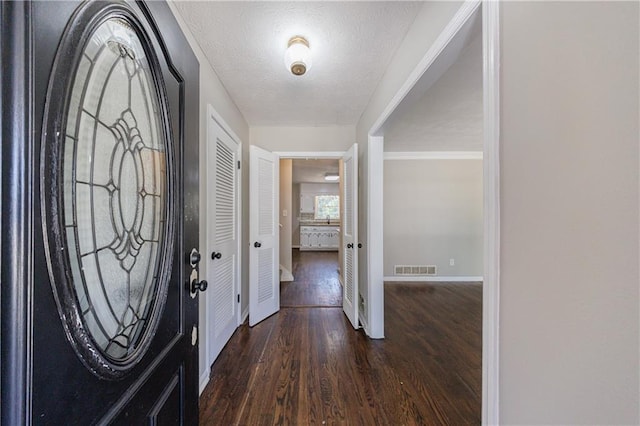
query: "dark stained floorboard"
316, 281
309, 366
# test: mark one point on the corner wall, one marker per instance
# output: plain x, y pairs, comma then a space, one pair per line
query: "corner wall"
286, 193
569, 318
429, 23
213, 92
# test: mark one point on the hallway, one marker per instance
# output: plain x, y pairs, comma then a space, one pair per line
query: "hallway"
306, 365
315, 282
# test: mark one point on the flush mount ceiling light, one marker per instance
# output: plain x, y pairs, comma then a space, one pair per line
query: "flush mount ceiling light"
331, 176
297, 58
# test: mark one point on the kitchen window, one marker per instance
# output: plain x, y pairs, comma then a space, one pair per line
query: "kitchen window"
327, 207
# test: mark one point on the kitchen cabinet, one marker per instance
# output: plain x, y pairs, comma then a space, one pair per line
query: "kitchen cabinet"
307, 203
319, 238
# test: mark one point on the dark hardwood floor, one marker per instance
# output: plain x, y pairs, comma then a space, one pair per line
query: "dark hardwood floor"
309, 366
315, 282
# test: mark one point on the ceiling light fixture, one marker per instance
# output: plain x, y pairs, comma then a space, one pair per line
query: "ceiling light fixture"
297, 58
331, 176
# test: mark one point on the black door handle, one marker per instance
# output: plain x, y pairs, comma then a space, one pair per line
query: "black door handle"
257, 244
216, 255
194, 257
350, 245
202, 285
359, 245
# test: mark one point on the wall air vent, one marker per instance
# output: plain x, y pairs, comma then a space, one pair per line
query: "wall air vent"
415, 269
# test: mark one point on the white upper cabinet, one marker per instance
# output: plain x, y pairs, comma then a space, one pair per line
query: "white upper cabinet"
307, 203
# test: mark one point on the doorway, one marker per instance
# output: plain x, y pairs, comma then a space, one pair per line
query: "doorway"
264, 233
310, 233
428, 71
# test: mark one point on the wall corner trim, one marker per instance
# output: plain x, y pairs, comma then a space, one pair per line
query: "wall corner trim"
491, 189
204, 381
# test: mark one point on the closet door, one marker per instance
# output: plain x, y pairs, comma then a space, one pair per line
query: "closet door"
350, 235
264, 259
223, 176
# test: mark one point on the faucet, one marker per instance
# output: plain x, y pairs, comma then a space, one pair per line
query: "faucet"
328, 220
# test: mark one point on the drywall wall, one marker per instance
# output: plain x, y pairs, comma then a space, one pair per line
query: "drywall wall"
429, 23
295, 217
320, 188
212, 92
433, 213
569, 213
301, 139
286, 213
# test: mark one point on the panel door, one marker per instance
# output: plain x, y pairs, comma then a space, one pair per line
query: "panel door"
222, 237
103, 326
350, 235
264, 259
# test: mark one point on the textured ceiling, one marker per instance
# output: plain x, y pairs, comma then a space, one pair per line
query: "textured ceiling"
448, 115
313, 170
351, 42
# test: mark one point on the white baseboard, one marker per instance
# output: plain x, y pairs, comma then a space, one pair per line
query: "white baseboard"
204, 380
437, 279
245, 315
285, 274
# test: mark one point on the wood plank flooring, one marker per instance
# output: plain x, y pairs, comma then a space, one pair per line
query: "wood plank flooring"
309, 366
316, 281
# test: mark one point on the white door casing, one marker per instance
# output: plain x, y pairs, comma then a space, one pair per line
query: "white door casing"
350, 235
264, 259
222, 248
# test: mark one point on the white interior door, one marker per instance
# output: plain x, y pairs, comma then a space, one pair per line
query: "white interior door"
350, 234
264, 259
222, 237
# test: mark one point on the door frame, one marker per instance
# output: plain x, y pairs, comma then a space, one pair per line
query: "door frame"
17, 200
212, 114
490, 10
310, 155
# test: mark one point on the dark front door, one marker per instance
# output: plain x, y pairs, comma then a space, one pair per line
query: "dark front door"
99, 215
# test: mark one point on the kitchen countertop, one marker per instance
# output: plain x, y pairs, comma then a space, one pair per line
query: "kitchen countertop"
318, 223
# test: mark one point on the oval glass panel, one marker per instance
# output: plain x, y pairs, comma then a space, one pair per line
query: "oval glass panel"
115, 189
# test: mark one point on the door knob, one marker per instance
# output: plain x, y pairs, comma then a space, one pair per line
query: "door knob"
216, 255
257, 244
194, 257
202, 285
350, 245
359, 245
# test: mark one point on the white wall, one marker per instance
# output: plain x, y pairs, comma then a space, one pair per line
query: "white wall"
433, 213
295, 208
286, 190
569, 213
213, 92
315, 188
300, 139
428, 25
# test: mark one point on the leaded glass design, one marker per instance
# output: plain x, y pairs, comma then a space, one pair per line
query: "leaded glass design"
115, 188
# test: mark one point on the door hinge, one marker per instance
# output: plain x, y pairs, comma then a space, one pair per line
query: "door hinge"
238, 298
238, 165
